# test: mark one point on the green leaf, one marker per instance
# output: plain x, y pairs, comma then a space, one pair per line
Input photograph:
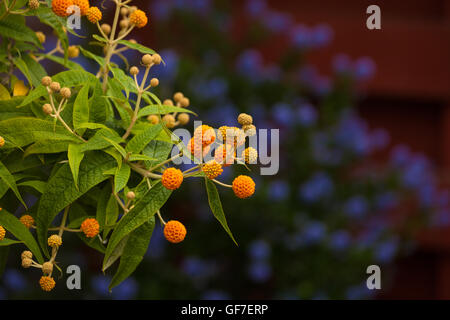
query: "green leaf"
133, 252
46, 146
159, 150
4, 93
98, 38
81, 107
140, 157
19, 132
7, 242
112, 213
8, 109
216, 206
90, 55
137, 46
117, 146
35, 69
75, 157
8, 179
35, 184
13, 225
121, 178
65, 63
46, 16
138, 142
142, 212
98, 142
61, 190
154, 109
102, 203
14, 27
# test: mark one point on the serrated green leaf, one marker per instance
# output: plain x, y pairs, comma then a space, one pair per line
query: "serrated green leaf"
142, 212
138, 142
14, 27
216, 206
137, 46
61, 190
90, 55
121, 178
7, 242
81, 107
75, 156
4, 93
8, 109
117, 146
133, 252
98, 142
159, 150
13, 225
154, 109
36, 184
140, 157
46, 146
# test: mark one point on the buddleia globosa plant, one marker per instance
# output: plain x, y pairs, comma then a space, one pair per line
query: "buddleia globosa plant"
94, 149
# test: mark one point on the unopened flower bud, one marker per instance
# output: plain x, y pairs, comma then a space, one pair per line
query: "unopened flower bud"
168, 102
157, 59
55, 86
41, 36
134, 71
250, 130
124, 23
106, 28
153, 119
26, 263
132, 41
47, 267
183, 118
169, 120
124, 11
131, 195
185, 102
47, 108
245, 119
73, 51
33, 4
178, 96
46, 81
154, 82
65, 92
26, 255
147, 59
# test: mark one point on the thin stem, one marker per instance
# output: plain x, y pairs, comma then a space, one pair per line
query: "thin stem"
160, 218
222, 184
191, 169
60, 233
166, 161
143, 172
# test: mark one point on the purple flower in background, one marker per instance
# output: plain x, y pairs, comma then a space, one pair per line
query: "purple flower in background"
322, 151
352, 134
364, 68
216, 295
14, 280
222, 114
341, 63
157, 244
416, 173
306, 115
196, 268
250, 63
167, 71
100, 284
282, 113
379, 139
277, 22
386, 251
356, 207
440, 218
340, 240
313, 232
385, 201
400, 155
316, 188
301, 37
359, 292
271, 73
127, 290
308, 74
160, 9
278, 190
259, 271
259, 250
256, 7
321, 35
322, 85
427, 193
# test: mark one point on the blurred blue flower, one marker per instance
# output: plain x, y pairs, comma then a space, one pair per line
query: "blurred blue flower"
216, 295
314, 232
157, 244
250, 63
259, 271
386, 250
385, 200
356, 207
364, 68
14, 280
359, 292
127, 290
196, 267
341, 63
440, 218
416, 173
215, 88
256, 7
301, 37
379, 139
282, 113
321, 35
277, 22
160, 9
100, 284
167, 71
308, 74
340, 240
317, 187
352, 135
259, 250
322, 85
278, 190
400, 155
322, 150
427, 194
222, 114
306, 115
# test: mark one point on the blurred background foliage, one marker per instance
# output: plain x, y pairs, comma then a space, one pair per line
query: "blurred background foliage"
310, 231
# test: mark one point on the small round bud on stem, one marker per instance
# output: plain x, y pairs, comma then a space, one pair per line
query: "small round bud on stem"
132, 9
47, 267
33, 4
134, 71
26, 263
47, 283
245, 119
153, 119
168, 102
178, 96
47, 108
147, 59
169, 120
124, 11
46, 81
131, 195
106, 28
55, 86
73, 51
41, 36
54, 241
26, 255
154, 82
65, 92
185, 102
124, 23
157, 59
250, 130
183, 118
2, 141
